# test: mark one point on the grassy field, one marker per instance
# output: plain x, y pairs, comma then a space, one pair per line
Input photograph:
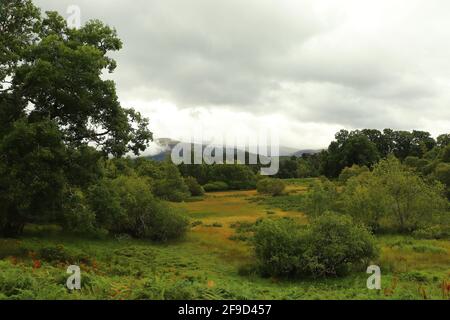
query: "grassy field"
210, 263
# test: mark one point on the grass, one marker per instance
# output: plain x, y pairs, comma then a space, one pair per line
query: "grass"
210, 263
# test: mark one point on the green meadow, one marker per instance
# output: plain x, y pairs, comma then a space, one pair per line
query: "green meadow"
211, 262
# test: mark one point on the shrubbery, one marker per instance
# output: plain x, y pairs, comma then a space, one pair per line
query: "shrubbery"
216, 186
274, 187
194, 187
352, 171
393, 197
171, 186
331, 246
321, 198
125, 205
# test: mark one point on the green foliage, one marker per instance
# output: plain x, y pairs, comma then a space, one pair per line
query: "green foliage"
336, 245
216, 186
55, 106
394, 196
78, 216
273, 187
171, 186
236, 176
279, 247
194, 187
332, 245
321, 198
32, 180
145, 216
352, 171
409, 200
362, 199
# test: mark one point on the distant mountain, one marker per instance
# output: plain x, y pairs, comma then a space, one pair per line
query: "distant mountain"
162, 148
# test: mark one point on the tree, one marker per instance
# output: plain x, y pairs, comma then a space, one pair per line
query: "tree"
348, 149
53, 100
194, 187
19, 20
410, 202
443, 140
288, 168
32, 179
172, 186
322, 197
352, 171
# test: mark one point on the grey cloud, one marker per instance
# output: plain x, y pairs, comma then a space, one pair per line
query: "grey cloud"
263, 57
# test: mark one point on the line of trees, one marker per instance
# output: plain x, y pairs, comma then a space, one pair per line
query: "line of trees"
364, 148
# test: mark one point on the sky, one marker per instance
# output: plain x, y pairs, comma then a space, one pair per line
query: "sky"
306, 68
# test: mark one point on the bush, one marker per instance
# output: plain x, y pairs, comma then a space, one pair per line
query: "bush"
394, 198
279, 247
350, 172
126, 205
273, 187
215, 186
336, 245
171, 186
77, 214
146, 217
331, 246
194, 187
322, 197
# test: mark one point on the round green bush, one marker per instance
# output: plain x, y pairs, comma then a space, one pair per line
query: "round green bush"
270, 186
194, 187
331, 246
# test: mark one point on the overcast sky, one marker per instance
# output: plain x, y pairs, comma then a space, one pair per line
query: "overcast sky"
306, 68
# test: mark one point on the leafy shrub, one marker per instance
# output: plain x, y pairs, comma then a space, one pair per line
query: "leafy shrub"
279, 247
135, 211
171, 186
395, 198
194, 187
352, 171
216, 186
273, 187
104, 200
330, 246
166, 223
322, 197
77, 214
336, 245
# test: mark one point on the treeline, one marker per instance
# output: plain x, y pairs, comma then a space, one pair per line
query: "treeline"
418, 149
